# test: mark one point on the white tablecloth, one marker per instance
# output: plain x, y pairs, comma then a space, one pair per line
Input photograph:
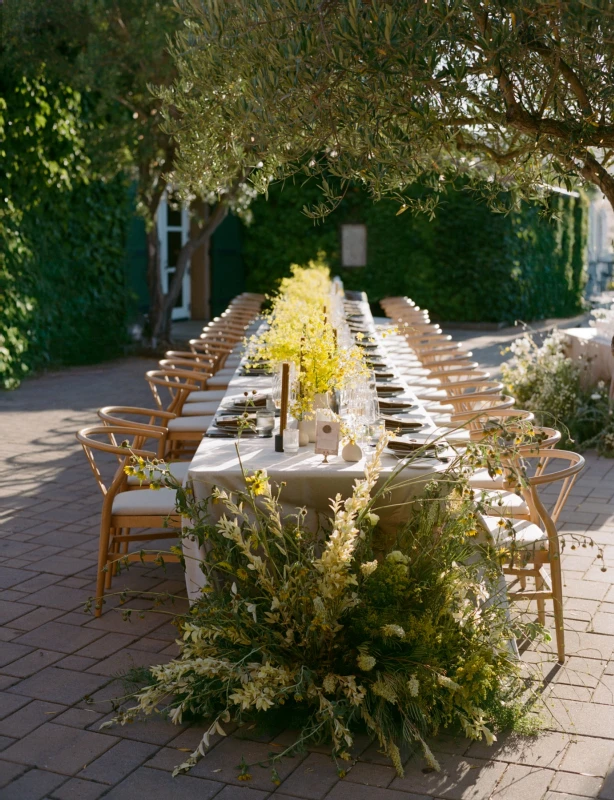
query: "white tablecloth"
309, 482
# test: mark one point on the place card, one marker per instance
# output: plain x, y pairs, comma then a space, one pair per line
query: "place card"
327, 438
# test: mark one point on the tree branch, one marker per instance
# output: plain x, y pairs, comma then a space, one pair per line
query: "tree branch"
568, 73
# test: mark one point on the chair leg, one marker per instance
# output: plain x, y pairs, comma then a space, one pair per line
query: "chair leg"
103, 560
120, 549
557, 602
112, 549
539, 559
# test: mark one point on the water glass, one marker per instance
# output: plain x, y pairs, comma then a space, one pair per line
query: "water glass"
265, 422
291, 440
376, 431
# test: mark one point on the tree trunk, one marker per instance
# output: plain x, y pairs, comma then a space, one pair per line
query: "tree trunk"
154, 283
162, 330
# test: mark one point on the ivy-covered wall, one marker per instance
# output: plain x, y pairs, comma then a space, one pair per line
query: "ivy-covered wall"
62, 281
468, 264
63, 290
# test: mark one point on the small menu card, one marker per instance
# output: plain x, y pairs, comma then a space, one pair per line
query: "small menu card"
327, 437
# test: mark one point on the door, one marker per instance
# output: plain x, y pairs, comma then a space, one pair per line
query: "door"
227, 267
173, 232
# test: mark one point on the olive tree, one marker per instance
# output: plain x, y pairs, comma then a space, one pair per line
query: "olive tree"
385, 92
114, 52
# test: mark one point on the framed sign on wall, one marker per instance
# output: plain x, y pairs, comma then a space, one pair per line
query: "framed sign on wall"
353, 245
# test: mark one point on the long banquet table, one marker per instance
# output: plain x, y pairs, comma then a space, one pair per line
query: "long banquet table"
309, 483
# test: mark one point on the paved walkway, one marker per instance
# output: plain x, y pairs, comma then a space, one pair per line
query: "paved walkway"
59, 668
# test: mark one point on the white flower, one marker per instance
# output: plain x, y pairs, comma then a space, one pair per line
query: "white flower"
447, 682
413, 685
372, 518
596, 396
393, 630
397, 557
365, 662
368, 568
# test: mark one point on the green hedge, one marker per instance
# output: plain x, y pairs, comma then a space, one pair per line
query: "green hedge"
62, 281
468, 264
62, 238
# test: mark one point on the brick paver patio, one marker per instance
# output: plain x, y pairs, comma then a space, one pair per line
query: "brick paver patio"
59, 667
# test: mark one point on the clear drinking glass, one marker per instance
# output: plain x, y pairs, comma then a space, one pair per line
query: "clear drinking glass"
265, 422
376, 431
291, 440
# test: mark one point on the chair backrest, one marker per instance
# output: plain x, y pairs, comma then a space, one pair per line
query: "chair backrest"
458, 356
542, 477
178, 377
156, 421
450, 377
208, 361
542, 460
470, 409
471, 387
526, 438
103, 438
444, 369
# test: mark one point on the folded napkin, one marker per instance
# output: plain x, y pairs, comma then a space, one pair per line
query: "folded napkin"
387, 389
388, 404
249, 400
392, 423
379, 374
407, 445
233, 422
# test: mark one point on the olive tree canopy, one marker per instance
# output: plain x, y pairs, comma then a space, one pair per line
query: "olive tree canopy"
386, 92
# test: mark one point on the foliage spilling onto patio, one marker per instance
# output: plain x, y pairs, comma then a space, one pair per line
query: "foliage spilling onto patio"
343, 629
62, 236
544, 380
528, 267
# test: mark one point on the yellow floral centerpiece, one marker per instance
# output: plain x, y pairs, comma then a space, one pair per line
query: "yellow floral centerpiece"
301, 333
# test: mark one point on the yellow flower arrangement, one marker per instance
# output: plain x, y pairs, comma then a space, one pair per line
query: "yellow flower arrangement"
300, 332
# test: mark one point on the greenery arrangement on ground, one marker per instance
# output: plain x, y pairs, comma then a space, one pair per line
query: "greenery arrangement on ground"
555, 388
343, 629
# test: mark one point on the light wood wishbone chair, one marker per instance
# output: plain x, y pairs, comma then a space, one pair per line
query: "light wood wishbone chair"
123, 510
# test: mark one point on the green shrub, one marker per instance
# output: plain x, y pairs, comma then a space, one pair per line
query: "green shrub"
548, 383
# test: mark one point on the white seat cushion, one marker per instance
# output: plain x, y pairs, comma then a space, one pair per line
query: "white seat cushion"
206, 395
430, 393
482, 480
526, 533
179, 470
501, 503
183, 424
145, 502
197, 409
219, 381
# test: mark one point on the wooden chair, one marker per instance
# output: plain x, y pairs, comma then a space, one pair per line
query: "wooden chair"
535, 541
172, 388
220, 380
182, 435
122, 511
